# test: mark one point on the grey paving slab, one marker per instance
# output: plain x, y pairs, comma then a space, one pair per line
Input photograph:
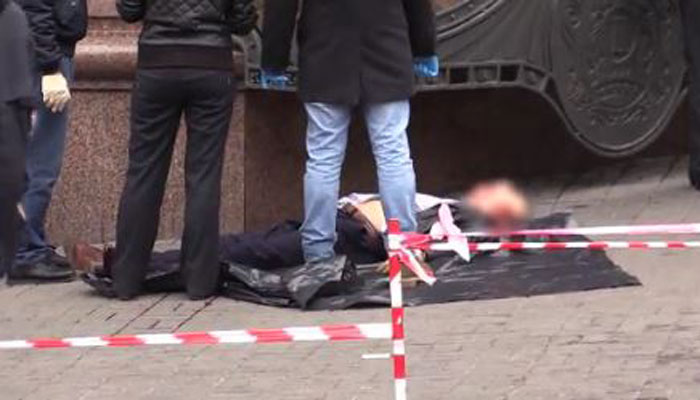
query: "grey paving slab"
638, 343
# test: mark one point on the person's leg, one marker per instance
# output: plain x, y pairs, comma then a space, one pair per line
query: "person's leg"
14, 127
326, 141
279, 247
387, 124
156, 107
44, 160
208, 114
690, 12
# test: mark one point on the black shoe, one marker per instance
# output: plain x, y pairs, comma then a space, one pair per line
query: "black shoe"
322, 278
58, 260
102, 284
43, 271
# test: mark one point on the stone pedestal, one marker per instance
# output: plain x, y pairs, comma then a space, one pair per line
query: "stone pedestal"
457, 138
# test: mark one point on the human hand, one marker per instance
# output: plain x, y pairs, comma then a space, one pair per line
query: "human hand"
427, 67
55, 92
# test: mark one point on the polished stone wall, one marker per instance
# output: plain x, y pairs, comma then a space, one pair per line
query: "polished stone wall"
457, 138
87, 194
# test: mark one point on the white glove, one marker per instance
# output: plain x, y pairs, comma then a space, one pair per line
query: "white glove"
54, 88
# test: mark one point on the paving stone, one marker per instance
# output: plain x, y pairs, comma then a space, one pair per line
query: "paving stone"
639, 343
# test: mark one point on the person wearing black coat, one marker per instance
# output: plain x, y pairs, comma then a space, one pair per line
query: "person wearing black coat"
185, 66
15, 93
352, 53
56, 26
690, 12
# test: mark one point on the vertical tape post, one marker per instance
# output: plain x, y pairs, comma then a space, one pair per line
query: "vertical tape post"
397, 311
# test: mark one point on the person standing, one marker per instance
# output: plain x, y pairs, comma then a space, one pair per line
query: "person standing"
15, 98
352, 53
690, 13
185, 66
56, 26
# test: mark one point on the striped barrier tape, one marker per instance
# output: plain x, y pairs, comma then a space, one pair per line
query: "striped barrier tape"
629, 230
444, 229
397, 254
423, 242
324, 333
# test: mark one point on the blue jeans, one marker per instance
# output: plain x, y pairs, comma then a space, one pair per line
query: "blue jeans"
45, 150
326, 141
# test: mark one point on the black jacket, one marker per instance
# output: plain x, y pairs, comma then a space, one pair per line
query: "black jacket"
56, 25
15, 54
350, 50
188, 33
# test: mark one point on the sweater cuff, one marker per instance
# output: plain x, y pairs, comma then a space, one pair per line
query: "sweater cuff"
51, 67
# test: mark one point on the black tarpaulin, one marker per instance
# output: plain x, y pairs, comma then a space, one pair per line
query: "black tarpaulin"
488, 276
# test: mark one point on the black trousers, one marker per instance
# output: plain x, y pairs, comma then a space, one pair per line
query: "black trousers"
690, 11
159, 100
14, 127
280, 247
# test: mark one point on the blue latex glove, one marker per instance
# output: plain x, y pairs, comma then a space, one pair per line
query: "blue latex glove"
274, 79
427, 67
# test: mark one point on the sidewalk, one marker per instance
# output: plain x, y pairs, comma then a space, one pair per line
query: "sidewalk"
630, 344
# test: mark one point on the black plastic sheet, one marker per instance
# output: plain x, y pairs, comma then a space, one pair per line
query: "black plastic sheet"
338, 285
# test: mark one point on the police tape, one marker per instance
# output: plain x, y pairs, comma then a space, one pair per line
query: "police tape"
666, 229
398, 256
424, 243
323, 333
626, 230
445, 228
443, 238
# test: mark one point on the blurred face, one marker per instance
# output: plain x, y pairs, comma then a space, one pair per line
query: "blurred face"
500, 202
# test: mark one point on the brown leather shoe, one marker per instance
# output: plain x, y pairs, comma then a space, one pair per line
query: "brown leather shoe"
85, 257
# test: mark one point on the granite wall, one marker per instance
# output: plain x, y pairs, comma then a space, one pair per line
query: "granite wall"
87, 194
457, 138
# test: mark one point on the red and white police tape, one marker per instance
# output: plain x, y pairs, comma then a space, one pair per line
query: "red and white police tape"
668, 229
445, 236
324, 333
399, 255
424, 242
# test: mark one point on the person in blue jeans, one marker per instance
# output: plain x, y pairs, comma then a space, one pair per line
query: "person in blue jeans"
56, 26
352, 54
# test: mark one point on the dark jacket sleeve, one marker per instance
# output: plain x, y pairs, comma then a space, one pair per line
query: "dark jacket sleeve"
242, 17
421, 25
40, 14
131, 10
278, 32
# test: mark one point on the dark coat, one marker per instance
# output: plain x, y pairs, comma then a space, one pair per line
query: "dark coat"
16, 61
188, 33
351, 51
56, 25
206, 23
